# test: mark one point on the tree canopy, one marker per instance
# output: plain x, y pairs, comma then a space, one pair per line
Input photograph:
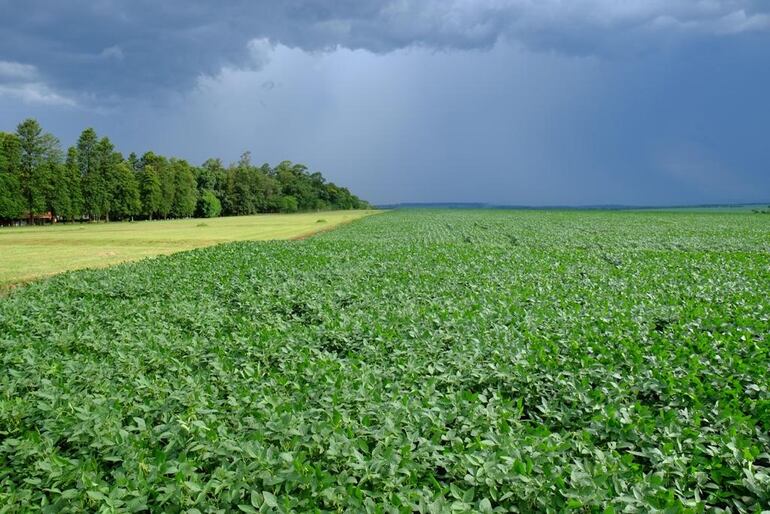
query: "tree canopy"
93, 181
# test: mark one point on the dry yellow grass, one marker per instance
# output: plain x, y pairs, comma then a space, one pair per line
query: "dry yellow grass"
28, 253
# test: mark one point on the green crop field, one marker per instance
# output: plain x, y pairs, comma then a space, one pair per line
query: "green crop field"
413, 361
32, 252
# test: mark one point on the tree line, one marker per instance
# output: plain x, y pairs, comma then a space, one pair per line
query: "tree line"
92, 181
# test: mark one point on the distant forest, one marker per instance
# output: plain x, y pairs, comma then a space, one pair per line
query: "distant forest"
92, 181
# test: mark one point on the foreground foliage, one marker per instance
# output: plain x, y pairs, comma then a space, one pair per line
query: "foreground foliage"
409, 362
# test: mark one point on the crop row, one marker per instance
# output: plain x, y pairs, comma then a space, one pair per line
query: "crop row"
414, 361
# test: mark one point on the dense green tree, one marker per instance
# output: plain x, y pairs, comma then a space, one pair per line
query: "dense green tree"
342, 198
210, 175
96, 183
166, 181
167, 189
74, 185
10, 153
149, 191
185, 192
133, 162
209, 205
56, 190
86, 151
295, 182
101, 185
248, 189
287, 203
11, 202
126, 200
36, 148
317, 184
11, 205
92, 181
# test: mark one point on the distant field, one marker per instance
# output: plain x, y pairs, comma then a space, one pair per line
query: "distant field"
28, 253
749, 208
414, 361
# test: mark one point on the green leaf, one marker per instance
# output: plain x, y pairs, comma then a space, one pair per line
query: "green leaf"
270, 499
96, 495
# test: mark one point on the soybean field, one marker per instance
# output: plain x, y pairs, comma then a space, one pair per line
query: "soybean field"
413, 361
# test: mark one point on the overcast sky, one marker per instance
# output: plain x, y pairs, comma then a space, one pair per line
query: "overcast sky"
547, 102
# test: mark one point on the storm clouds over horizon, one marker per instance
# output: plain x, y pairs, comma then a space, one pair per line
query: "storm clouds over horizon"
502, 101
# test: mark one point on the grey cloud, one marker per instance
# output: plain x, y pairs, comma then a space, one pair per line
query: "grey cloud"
132, 48
36, 93
23, 82
259, 51
508, 125
14, 71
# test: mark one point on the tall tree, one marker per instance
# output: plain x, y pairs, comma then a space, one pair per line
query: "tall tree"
91, 181
149, 191
54, 186
56, 190
209, 205
11, 202
210, 174
295, 182
32, 161
133, 162
185, 192
74, 184
165, 175
125, 202
10, 153
249, 189
105, 162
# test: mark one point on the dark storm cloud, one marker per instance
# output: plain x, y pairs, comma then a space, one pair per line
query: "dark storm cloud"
110, 48
506, 101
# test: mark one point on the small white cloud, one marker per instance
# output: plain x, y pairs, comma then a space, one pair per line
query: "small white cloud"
261, 52
738, 22
112, 52
732, 23
36, 93
23, 81
16, 71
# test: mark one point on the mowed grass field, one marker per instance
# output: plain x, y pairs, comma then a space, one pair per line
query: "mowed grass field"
413, 361
27, 253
